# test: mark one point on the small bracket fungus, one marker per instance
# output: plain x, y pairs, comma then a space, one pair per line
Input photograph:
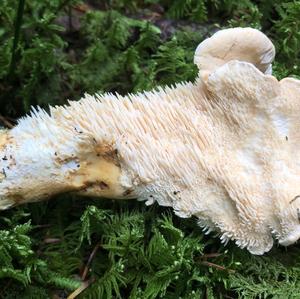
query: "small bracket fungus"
224, 149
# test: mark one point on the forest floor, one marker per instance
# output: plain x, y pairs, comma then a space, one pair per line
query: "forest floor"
72, 247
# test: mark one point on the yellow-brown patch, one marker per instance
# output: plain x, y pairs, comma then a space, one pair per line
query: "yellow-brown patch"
98, 176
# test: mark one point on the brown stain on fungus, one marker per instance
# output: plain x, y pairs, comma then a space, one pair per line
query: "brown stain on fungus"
18, 198
103, 185
2, 175
6, 140
296, 197
3, 138
60, 161
128, 192
99, 174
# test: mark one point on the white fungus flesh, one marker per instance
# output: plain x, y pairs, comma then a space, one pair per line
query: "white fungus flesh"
223, 149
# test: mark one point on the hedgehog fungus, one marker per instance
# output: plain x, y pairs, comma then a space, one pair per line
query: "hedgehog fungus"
224, 148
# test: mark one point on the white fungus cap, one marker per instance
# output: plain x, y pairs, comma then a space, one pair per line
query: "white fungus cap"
243, 44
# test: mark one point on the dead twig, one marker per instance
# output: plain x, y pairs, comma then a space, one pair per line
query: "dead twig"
6, 122
219, 267
86, 268
79, 290
210, 255
52, 240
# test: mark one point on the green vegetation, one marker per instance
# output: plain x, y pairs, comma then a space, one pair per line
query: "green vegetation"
56, 50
